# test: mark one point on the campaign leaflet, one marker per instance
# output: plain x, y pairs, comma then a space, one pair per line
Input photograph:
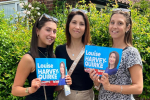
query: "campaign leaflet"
102, 59
51, 71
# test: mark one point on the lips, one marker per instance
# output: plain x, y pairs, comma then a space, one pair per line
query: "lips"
111, 61
50, 39
76, 31
114, 32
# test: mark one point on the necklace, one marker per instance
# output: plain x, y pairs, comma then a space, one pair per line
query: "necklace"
43, 54
73, 53
44, 86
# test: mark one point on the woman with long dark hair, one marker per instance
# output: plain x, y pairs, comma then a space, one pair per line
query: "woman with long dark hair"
78, 35
112, 63
43, 37
63, 74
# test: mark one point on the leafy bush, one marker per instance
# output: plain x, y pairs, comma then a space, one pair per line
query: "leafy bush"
33, 10
143, 6
141, 40
15, 41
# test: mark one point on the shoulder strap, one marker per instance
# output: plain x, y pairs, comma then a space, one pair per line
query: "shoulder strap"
30, 55
74, 64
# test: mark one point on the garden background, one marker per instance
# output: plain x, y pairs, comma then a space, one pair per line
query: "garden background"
15, 37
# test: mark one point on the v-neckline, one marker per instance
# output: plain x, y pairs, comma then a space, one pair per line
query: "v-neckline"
67, 53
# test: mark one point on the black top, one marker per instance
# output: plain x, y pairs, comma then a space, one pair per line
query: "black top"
39, 94
80, 79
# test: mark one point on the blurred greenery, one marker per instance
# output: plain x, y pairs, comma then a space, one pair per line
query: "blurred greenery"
15, 41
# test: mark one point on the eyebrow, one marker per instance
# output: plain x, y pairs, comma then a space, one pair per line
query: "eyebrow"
82, 22
117, 20
76, 20
50, 28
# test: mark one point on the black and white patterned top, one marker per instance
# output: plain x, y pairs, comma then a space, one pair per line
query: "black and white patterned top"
130, 57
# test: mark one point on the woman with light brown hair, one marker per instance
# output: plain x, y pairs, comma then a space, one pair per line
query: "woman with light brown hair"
129, 78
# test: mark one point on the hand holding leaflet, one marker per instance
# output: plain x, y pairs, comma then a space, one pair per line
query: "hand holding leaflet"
102, 59
51, 71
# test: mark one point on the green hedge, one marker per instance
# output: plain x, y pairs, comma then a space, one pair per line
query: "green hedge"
15, 42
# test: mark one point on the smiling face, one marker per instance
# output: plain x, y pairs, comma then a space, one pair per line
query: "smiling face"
112, 59
77, 26
118, 27
62, 69
47, 34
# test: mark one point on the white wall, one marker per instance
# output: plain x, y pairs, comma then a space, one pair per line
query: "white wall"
11, 7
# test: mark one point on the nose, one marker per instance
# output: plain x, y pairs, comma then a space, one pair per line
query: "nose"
115, 25
52, 32
77, 26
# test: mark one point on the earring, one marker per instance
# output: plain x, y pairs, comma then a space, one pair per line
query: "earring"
37, 35
126, 32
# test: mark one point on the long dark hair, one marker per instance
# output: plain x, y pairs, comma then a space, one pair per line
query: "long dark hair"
117, 58
86, 36
64, 68
128, 34
34, 41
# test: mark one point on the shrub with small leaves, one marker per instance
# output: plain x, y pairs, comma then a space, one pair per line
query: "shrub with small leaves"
33, 10
15, 41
